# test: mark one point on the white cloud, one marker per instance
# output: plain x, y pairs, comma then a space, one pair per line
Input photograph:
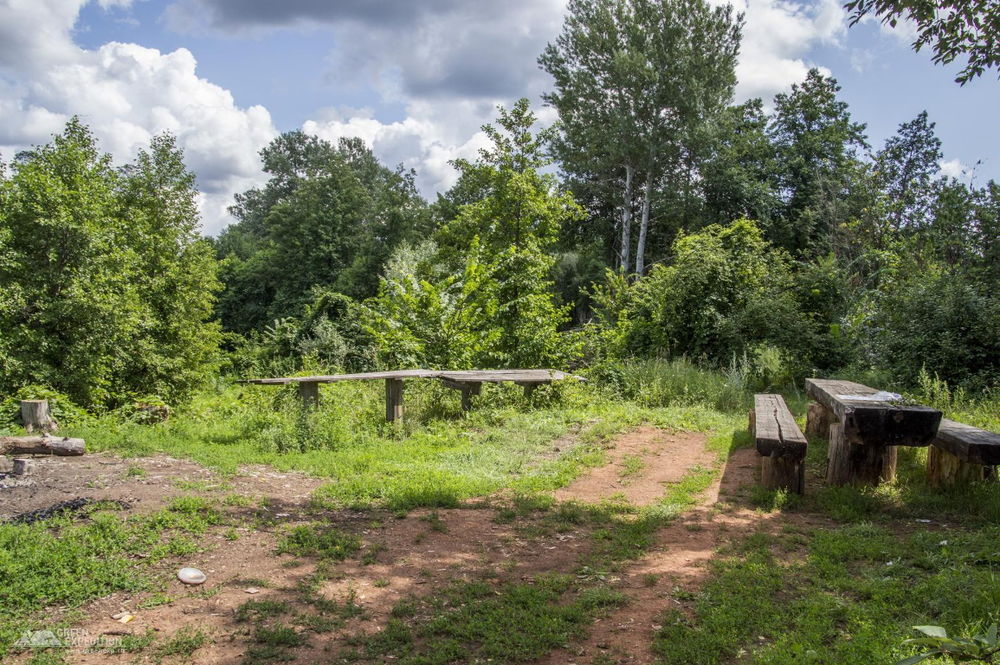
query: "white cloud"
954, 168
126, 94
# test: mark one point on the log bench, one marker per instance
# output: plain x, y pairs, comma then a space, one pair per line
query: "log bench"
864, 427
468, 382
780, 442
961, 454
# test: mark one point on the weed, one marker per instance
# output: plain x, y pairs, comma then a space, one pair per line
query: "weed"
183, 643
319, 541
261, 609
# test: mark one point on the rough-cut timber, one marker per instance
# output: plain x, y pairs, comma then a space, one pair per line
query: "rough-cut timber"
818, 420
41, 445
780, 442
866, 430
36, 417
469, 382
873, 422
393, 399
961, 454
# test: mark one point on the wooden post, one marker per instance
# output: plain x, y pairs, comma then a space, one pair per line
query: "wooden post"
851, 462
35, 416
947, 470
470, 390
818, 420
529, 389
393, 399
783, 472
309, 394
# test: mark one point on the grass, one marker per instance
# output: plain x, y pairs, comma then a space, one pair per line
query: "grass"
66, 561
319, 541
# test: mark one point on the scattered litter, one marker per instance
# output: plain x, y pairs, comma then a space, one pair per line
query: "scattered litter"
943, 543
924, 521
880, 396
191, 576
123, 617
252, 589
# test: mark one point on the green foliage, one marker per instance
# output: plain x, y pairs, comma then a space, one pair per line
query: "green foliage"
106, 286
945, 322
61, 407
483, 298
952, 29
319, 541
727, 294
329, 217
935, 642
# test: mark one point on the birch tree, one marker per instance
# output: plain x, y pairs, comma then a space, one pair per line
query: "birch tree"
634, 80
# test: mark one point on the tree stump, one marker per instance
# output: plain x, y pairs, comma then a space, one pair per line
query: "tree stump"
852, 462
36, 417
818, 420
22, 467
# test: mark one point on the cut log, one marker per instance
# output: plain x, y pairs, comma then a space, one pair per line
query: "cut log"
36, 417
22, 466
41, 445
849, 462
818, 420
780, 443
962, 454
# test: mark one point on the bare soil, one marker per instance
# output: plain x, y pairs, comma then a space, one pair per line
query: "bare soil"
412, 555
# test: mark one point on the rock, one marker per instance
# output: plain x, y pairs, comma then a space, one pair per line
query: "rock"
191, 576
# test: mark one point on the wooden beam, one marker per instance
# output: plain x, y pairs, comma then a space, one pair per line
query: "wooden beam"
780, 442
393, 400
871, 421
970, 444
41, 445
309, 394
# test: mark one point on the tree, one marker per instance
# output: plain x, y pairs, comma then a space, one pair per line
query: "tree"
817, 147
107, 287
952, 29
485, 296
634, 82
329, 216
905, 169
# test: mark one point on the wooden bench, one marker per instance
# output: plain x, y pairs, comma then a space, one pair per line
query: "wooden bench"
961, 454
468, 382
864, 426
780, 442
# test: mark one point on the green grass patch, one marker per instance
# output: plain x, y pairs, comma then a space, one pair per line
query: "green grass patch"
849, 595
319, 541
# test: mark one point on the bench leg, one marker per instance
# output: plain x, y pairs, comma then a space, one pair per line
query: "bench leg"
393, 399
783, 473
470, 390
309, 394
853, 463
947, 470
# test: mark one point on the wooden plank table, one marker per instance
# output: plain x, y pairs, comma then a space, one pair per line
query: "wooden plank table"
469, 382
864, 428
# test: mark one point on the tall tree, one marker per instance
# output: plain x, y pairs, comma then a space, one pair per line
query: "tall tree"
634, 82
329, 216
818, 147
107, 286
906, 167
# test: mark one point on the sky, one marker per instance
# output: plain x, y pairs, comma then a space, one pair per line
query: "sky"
416, 79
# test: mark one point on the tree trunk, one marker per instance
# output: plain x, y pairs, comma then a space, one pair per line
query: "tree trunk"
849, 462
35, 416
947, 470
818, 420
640, 252
623, 252
41, 445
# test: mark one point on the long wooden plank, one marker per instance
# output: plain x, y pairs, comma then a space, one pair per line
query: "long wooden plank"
473, 376
776, 432
869, 420
968, 443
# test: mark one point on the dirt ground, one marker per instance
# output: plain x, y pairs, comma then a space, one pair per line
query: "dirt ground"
412, 555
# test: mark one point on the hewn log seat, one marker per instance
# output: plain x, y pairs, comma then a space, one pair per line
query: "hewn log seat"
961, 453
780, 442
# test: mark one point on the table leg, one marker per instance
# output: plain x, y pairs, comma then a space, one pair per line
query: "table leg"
393, 399
309, 394
470, 390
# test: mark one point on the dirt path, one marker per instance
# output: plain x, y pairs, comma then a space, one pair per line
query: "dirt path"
402, 557
641, 463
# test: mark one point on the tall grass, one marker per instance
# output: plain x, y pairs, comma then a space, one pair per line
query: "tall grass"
660, 382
